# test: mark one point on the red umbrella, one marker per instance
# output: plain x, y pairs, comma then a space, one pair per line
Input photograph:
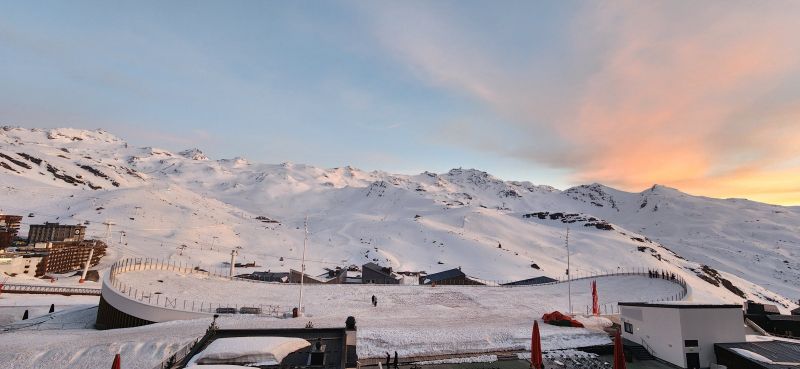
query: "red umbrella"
595, 303
536, 347
619, 356
116, 364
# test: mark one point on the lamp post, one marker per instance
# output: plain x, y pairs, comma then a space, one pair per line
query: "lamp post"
303, 267
569, 275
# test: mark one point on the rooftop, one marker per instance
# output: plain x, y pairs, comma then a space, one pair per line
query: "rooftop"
681, 305
766, 354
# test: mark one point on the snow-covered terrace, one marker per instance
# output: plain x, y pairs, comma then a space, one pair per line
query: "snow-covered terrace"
413, 320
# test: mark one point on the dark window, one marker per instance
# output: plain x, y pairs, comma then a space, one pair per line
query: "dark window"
628, 327
690, 343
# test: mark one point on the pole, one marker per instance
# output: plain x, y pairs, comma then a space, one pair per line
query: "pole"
233, 260
569, 275
86, 267
303, 268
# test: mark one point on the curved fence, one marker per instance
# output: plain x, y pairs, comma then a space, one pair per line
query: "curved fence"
159, 299
211, 307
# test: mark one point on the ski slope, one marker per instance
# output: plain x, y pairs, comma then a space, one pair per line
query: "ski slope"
188, 207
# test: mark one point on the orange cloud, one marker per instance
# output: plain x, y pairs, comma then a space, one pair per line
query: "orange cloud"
699, 96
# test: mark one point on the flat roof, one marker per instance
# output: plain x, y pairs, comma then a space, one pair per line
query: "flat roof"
680, 305
782, 354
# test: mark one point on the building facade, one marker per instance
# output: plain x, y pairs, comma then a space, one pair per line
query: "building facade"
682, 334
374, 273
70, 256
55, 232
9, 227
12, 264
449, 277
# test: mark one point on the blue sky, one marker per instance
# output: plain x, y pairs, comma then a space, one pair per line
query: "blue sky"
557, 93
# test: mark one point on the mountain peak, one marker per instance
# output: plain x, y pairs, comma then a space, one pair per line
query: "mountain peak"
194, 154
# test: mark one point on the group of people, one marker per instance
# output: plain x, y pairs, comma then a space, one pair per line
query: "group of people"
660, 274
388, 358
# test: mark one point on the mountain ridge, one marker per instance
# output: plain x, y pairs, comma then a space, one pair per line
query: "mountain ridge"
423, 221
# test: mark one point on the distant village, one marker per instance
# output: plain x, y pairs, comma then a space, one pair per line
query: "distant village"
49, 249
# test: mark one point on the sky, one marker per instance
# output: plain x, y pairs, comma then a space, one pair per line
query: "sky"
700, 96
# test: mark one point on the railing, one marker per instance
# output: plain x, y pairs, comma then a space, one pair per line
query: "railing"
49, 290
648, 348
160, 300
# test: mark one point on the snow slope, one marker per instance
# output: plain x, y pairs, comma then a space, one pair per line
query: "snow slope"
161, 202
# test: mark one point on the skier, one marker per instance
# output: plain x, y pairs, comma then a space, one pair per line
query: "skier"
388, 360
374, 301
395, 360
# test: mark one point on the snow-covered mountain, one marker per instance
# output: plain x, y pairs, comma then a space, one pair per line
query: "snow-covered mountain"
160, 202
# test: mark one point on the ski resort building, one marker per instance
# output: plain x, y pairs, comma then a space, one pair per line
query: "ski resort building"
449, 277
54, 232
65, 257
374, 273
531, 281
682, 334
332, 276
14, 263
9, 227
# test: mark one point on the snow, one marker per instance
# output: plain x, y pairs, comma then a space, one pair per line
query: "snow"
160, 202
419, 320
461, 360
248, 350
752, 355
429, 222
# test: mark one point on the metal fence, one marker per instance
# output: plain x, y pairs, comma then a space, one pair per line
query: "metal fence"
161, 300
48, 290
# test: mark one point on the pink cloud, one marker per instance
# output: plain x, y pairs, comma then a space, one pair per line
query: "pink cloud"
686, 94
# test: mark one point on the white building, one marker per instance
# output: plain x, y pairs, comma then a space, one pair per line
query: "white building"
14, 264
682, 333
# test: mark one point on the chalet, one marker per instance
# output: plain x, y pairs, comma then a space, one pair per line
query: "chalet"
531, 281
796, 311
449, 277
374, 273
331, 276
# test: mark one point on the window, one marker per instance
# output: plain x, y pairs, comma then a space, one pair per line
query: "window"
628, 327
690, 343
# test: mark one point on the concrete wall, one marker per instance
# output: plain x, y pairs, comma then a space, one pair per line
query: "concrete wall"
141, 310
658, 328
710, 326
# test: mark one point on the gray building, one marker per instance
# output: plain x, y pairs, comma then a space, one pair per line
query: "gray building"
54, 232
374, 273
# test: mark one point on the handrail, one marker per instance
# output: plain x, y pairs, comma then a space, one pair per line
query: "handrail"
56, 290
648, 348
